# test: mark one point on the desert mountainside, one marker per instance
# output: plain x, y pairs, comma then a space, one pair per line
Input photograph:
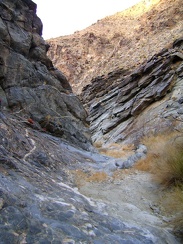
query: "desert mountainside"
121, 41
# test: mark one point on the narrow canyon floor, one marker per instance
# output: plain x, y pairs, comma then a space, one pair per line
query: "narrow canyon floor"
130, 195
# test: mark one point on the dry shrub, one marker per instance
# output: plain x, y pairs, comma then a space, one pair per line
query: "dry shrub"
178, 225
147, 163
164, 158
116, 150
165, 161
170, 164
98, 177
82, 177
113, 153
173, 205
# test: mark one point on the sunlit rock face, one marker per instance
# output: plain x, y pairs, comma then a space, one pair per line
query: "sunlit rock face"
30, 85
121, 41
124, 107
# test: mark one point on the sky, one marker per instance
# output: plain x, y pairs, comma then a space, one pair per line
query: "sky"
64, 17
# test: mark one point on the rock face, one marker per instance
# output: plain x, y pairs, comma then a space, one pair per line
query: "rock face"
42, 140
125, 107
109, 44
30, 85
38, 199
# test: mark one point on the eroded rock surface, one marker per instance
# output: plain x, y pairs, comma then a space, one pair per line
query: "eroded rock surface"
123, 107
30, 85
39, 201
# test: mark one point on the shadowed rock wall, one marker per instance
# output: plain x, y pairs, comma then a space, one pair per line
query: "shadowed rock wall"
29, 84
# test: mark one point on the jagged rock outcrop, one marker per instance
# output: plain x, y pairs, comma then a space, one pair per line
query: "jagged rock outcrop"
30, 85
121, 41
125, 107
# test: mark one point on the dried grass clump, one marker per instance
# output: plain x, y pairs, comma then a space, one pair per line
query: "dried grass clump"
165, 161
173, 205
170, 165
115, 150
82, 177
98, 177
164, 158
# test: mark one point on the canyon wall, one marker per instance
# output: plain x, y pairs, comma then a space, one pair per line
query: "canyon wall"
124, 107
29, 84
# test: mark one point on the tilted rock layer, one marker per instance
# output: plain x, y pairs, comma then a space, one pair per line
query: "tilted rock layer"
120, 41
124, 107
29, 84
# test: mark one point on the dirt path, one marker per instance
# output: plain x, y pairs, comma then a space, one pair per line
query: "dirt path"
133, 197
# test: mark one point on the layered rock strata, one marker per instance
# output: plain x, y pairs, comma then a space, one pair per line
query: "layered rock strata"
123, 107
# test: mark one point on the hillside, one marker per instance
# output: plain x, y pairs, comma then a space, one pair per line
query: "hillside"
121, 41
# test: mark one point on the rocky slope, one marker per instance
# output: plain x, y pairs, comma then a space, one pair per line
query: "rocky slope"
124, 107
121, 41
39, 201
44, 142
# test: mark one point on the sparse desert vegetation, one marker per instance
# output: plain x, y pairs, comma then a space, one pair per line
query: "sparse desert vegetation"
115, 150
165, 161
91, 176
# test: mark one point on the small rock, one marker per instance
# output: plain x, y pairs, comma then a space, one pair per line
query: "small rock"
142, 149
